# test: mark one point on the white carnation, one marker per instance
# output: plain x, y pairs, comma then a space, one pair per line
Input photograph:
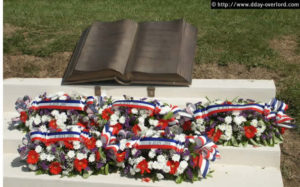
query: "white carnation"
254, 122
50, 157
183, 164
38, 149
98, 143
153, 122
134, 111
200, 121
63, 97
55, 113
43, 128
166, 168
157, 165
45, 118
71, 154
81, 156
114, 117
133, 151
92, 158
159, 176
176, 157
76, 145
161, 159
122, 119
152, 153
228, 119
37, 120
43, 156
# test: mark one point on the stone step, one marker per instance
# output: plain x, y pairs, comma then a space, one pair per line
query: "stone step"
251, 156
16, 174
260, 90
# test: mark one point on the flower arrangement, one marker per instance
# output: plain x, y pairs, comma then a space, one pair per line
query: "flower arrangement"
77, 135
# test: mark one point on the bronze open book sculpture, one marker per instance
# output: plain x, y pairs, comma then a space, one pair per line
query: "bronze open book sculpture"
160, 53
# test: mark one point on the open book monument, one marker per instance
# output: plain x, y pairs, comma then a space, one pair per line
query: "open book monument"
207, 133
134, 53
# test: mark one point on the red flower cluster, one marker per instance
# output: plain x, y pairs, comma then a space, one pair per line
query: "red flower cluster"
52, 124
32, 157
120, 157
23, 116
282, 130
90, 143
187, 126
106, 113
80, 164
163, 123
143, 165
116, 128
68, 145
55, 168
215, 136
250, 131
173, 166
136, 129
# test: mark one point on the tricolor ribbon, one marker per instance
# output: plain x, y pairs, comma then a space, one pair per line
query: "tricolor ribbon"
53, 137
134, 104
58, 104
275, 109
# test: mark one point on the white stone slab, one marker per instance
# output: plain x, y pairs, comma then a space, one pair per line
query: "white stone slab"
260, 90
225, 175
250, 156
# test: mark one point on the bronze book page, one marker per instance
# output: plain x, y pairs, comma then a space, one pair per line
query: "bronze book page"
144, 53
104, 52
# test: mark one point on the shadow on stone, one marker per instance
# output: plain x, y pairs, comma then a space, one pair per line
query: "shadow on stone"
18, 162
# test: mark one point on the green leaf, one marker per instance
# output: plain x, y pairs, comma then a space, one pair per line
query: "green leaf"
102, 154
179, 179
85, 175
39, 172
106, 171
245, 143
169, 115
234, 142
253, 142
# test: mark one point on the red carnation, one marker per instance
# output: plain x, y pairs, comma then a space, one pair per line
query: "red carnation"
23, 116
146, 179
163, 124
173, 166
143, 165
210, 133
55, 168
90, 143
68, 145
120, 157
98, 156
116, 128
250, 131
187, 126
195, 161
106, 113
282, 130
136, 129
80, 164
33, 157
217, 135
52, 124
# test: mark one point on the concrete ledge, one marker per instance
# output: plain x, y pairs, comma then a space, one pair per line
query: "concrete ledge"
225, 175
260, 90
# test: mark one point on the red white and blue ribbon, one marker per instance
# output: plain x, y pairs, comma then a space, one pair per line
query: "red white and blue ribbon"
58, 104
134, 104
275, 109
53, 137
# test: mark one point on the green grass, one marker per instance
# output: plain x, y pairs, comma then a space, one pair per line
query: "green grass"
224, 36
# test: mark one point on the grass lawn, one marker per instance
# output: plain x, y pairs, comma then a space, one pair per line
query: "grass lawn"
39, 37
